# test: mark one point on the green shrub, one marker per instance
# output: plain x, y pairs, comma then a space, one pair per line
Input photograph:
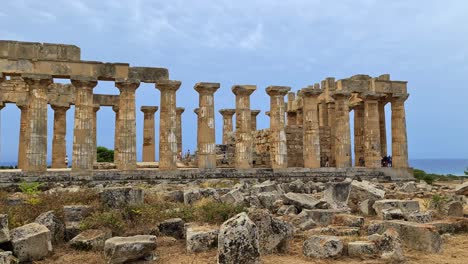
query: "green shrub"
30, 188
213, 212
422, 175
104, 154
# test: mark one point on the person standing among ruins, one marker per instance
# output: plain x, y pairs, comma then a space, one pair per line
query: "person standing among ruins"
66, 161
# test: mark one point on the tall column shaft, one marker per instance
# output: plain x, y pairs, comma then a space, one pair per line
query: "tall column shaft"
24, 123
116, 134
383, 129
332, 125
342, 130
127, 156
83, 138
59, 142
206, 144
168, 124
253, 119
36, 137
243, 154
359, 135
324, 131
149, 146
372, 132
179, 111
227, 123
95, 110
311, 134
278, 147
399, 136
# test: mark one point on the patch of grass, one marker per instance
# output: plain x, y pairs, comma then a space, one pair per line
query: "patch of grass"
213, 212
112, 220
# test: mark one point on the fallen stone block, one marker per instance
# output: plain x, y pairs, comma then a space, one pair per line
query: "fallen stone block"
406, 206
419, 217
322, 217
127, 249
233, 197
268, 199
92, 239
238, 241
54, 224
362, 249
462, 189
322, 247
348, 220
174, 227
287, 210
31, 242
363, 190
73, 215
303, 201
337, 193
266, 186
451, 225
116, 197
453, 208
392, 214
336, 231
409, 187
6, 257
365, 207
201, 239
388, 245
4, 230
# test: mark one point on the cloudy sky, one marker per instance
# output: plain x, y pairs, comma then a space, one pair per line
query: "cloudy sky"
294, 43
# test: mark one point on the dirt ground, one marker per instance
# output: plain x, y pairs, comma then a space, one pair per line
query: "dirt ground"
455, 251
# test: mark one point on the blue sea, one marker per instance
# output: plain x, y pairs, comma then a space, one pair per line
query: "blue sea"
439, 166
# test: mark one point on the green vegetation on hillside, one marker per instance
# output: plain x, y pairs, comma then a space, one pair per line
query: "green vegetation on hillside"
432, 177
104, 154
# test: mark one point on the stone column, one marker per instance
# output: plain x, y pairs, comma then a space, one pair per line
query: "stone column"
59, 142
253, 119
383, 129
206, 141
127, 156
278, 147
36, 132
148, 133
179, 111
227, 123
243, 154
311, 134
331, 124
373, 150
359, 135
23, 136
399, 136
168, 124
299, 111
95, 110
116, 133
291, 114
342, 130
83, 146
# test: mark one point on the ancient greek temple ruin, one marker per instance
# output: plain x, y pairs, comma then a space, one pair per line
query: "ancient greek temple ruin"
309, 131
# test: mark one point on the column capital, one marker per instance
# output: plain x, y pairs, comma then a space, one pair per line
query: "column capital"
273, 90
128, 83
340, 94
180, 110
115, 108
56, 107
399, 97
149, 109
168, 85
371, 96
206, 87
243, 89
2, 104
37, 79
83, 82
311, 92
227, 112
267, 113
96, 108
196, 110
255, 112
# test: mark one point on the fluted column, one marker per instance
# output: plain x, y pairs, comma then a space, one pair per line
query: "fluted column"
299, 111
278, 147
179, 111
206, 141
372, 150
324, 133
127, 156
332, 125
24, 123
399, 135
253, 119
83, 145
342, 130
359, 135
59, 142
168, 124
36, 133
227, 123
243, 154
95, 110
115, 108
149, 148
383, 129
311, 133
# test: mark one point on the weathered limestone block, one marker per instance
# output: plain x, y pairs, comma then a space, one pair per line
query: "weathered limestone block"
201, 239
193, 195
4, 230
174, 227
267, 186
322, 247
129, 249
54, 224
361, 191
38, 51
92, 239
337, 193
453, 208
115, 197
361, 249
451, 225
389, 246
406, 206
233, 197
73, 215
274, 234
31, 242
462, 189
348, 220
303, 201
322, 217
6, 257
419, 217
238, 241
423, 237
409, 187
287, 210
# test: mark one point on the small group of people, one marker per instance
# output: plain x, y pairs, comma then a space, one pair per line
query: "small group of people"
181, 156
387, 161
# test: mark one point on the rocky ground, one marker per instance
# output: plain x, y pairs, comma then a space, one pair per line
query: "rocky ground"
231, 221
